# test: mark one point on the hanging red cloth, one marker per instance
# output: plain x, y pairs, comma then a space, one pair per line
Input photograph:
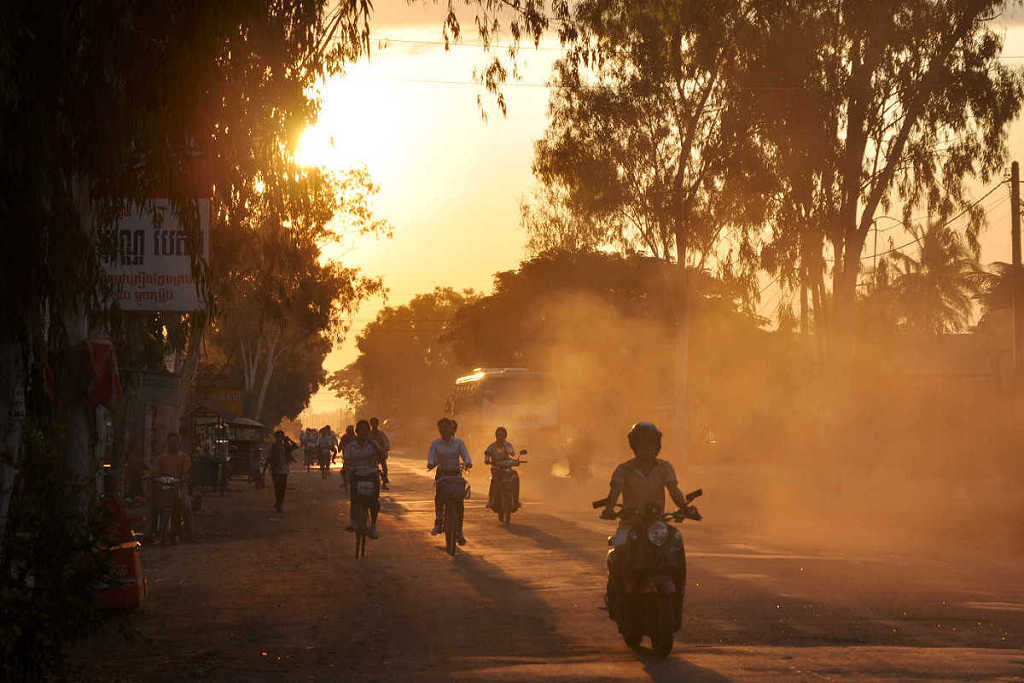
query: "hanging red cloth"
104, 377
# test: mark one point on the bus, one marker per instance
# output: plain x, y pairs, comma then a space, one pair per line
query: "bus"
523, 401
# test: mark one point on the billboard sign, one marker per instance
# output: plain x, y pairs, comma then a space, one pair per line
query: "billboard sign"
148, 264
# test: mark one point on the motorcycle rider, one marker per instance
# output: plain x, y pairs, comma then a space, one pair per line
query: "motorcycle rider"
497, 453
360, 459
379, 437
446, 454
641, 481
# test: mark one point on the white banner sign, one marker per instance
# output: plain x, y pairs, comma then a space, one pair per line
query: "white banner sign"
149, 264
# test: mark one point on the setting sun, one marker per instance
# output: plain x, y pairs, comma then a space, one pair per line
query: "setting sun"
355, 127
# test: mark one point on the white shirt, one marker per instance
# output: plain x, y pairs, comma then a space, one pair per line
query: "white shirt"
328, 441
446, 454
361, 458
495, 453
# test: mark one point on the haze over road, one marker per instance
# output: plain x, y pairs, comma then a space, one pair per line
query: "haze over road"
268, 597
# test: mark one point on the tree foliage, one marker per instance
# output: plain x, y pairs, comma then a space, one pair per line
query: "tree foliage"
647, 135
937, 288
277, 294
103, 105
406, 365
873, 108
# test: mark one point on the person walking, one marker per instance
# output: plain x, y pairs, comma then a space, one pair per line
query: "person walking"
279, 464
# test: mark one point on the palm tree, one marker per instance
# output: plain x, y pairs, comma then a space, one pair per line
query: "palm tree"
936, 289
998, 285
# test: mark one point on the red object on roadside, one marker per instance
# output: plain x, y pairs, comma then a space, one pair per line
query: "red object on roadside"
125, 587
104, 376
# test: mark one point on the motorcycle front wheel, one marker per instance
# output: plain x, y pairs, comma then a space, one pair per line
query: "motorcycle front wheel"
506, 507
632, 626
664, 625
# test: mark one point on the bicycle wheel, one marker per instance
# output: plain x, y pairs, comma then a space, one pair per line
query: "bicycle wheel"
451, 527
359, 512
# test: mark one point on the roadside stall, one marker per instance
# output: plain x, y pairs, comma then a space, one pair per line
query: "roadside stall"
225, 446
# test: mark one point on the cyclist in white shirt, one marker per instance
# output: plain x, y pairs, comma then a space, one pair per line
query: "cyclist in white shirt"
446, 454
360, 460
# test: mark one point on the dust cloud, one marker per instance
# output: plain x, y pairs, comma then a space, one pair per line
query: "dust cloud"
880, 454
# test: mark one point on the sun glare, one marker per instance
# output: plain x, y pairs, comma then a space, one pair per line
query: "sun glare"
355, 127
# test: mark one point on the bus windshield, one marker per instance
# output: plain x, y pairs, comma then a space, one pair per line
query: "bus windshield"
516, 390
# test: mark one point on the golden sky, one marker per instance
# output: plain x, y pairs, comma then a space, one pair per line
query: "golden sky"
451, 183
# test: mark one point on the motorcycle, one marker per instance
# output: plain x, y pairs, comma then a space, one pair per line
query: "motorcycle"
647, 573
506, 479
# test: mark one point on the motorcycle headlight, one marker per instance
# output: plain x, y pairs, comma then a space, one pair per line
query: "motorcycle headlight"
657, 533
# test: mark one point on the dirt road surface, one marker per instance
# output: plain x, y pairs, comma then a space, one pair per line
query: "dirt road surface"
269, 597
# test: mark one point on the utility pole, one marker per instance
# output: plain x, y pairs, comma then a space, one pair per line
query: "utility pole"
1018, 304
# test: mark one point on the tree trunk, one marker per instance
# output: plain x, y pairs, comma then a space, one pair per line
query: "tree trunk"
12, 419
76, 413
186, 384
268, 372
681, 368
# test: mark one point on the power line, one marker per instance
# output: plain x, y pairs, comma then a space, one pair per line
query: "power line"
450, 44
526, 44
916, 240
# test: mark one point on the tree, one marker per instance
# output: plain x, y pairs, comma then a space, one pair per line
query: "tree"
872, 107
596, 321
405, 366
649, 140
104, 105
937, 288
277, 294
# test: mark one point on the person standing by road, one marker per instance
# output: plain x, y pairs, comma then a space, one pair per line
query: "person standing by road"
174, 463
280, 458
383, 443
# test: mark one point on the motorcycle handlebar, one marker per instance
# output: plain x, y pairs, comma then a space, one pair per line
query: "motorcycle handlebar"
690, 497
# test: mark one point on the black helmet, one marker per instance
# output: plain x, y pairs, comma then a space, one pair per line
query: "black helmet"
645, 437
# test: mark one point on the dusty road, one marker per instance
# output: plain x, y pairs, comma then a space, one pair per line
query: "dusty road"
268, 597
